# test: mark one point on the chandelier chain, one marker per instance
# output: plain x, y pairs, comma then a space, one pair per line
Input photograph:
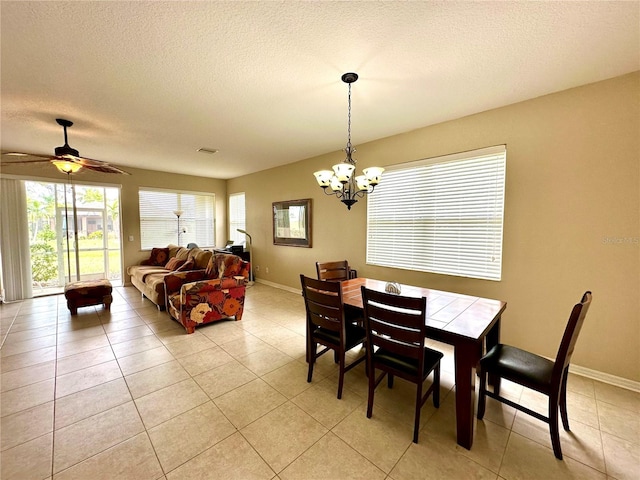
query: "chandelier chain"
349, 121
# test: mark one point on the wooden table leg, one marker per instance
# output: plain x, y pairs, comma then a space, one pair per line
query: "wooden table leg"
492, 339
466, 355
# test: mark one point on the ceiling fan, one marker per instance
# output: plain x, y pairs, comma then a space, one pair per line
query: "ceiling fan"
65, 158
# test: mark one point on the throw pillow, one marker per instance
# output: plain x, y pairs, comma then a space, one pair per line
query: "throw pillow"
159, 257
201, 257
174, 264
188, 265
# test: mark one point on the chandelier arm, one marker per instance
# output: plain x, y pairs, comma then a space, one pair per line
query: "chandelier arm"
338, 193
360, 193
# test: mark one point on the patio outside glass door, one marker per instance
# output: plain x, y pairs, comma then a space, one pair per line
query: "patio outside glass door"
73, 238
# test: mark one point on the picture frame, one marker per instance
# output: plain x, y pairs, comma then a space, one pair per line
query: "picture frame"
292, 223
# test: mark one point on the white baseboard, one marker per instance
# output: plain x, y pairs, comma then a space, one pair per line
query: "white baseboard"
277, 285
605, 378
576, 369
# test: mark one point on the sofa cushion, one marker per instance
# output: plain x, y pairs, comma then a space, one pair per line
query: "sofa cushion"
188, 265
174, 264
155, 281
182, 253
173, 249
142, 271
159, 257
200, 257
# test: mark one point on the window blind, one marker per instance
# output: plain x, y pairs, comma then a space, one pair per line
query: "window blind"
442, 215
237, 218
159, 225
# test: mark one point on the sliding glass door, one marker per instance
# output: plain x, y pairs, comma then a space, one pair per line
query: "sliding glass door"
74, 232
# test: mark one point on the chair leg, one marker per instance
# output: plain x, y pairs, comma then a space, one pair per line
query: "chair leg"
436, 386
553, 426
341, 376
312, 359
389, 380
372, 387
416, 426
563, 401
482, 396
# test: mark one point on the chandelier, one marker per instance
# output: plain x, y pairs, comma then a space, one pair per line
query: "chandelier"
340, 181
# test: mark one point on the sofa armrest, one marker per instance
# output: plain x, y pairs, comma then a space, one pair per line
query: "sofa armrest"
204, 286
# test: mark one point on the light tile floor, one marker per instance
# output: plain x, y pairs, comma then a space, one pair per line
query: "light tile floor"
127, 394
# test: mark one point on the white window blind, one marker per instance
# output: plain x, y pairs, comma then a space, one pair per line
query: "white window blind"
159, 225
441, 215
237, 218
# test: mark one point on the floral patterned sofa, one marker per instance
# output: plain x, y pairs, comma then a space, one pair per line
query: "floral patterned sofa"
199, 297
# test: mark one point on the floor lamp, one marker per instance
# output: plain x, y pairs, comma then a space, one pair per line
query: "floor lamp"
178, 213
250, 256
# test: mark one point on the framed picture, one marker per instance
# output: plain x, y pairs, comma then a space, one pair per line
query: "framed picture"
292, 223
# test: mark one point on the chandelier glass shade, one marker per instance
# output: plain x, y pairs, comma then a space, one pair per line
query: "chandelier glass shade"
341, 181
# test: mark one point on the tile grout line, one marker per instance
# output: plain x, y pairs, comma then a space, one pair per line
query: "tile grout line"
55, 386
135, 405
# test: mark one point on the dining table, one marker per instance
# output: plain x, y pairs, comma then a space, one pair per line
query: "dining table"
470, 324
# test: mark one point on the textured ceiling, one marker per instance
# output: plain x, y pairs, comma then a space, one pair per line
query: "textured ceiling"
148, 83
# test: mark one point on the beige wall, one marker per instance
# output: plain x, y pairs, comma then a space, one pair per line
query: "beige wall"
573, 182
130, 220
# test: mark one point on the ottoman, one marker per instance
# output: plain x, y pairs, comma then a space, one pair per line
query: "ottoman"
86, 293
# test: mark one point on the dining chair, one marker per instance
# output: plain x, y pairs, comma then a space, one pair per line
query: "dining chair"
326, 326
334, 271
537, 373
337, 272
396, 329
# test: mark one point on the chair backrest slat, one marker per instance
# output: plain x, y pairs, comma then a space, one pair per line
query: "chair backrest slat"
333, 271
395, 323
325, 316
323, 303
409, 350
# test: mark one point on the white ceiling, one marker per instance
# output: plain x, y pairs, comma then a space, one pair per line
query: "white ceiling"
148, 83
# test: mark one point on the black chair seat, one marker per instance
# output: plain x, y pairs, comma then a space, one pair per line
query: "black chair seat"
406, 364
354, 336
519, 366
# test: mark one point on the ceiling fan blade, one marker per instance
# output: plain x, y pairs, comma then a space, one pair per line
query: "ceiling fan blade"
98, 165
21, 157
85, 162
105, 168
20, 162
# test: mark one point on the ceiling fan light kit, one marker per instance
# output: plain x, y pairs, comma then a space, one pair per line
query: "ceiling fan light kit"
66, 166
